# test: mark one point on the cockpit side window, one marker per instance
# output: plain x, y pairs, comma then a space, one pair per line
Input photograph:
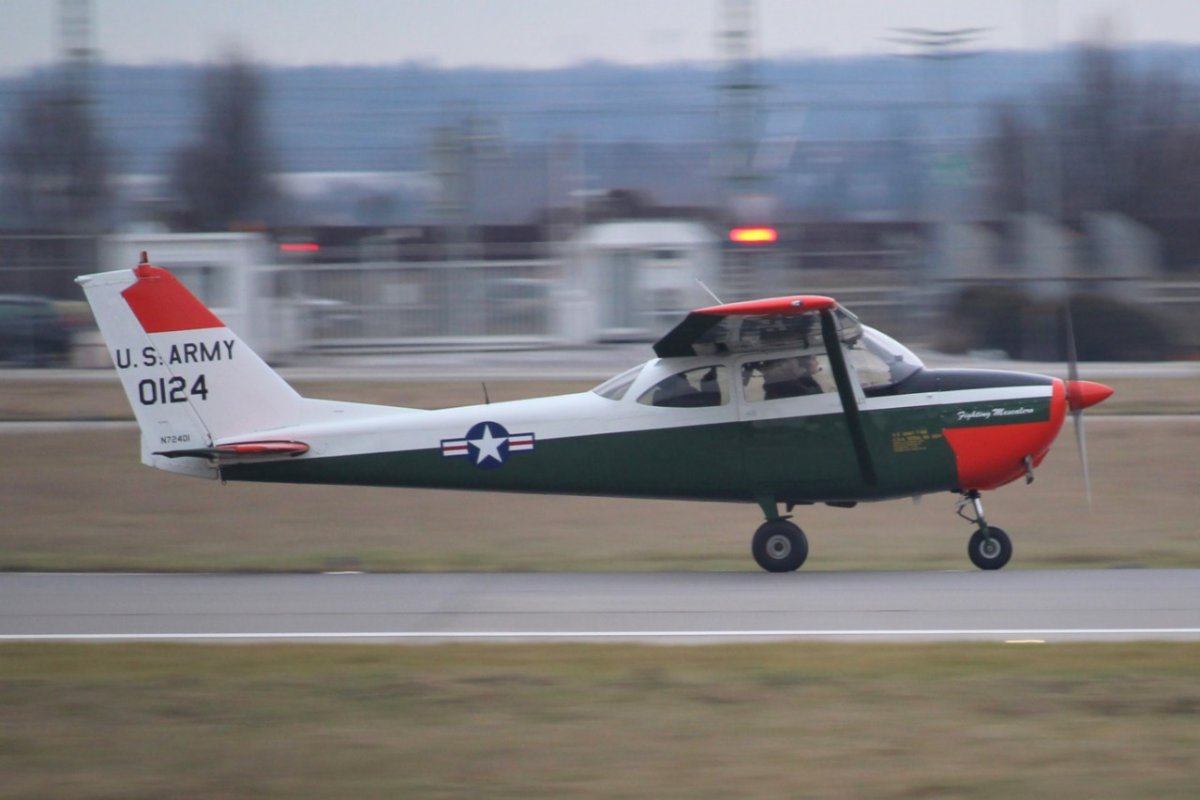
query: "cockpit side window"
792, 376
694, 388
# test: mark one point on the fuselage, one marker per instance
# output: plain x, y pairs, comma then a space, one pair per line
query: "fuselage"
935, 430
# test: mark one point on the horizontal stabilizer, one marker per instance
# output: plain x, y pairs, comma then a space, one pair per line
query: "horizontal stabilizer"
240, 451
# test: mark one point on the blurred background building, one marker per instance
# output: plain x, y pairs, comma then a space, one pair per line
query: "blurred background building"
952, 194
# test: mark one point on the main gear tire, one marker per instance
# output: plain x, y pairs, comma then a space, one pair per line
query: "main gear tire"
779, 546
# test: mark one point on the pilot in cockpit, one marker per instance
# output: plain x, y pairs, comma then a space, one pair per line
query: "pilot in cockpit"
790, 377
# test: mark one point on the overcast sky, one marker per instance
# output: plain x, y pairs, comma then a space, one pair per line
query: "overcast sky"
550, 33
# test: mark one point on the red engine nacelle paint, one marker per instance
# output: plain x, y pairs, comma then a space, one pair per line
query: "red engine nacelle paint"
990, 456
162, 304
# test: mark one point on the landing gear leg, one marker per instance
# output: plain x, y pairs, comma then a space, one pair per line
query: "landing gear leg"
779, 545
989, 548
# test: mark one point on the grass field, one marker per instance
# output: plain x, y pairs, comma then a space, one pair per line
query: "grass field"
812, 720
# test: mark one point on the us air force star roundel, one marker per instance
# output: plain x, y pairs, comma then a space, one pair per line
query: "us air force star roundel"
488, 445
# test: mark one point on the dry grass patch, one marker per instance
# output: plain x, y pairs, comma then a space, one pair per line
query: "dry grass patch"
83, 501
812, 720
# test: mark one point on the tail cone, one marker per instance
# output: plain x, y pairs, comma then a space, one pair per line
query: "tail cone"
1085, 394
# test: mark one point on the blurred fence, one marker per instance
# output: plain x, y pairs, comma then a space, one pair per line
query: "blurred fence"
377, 306
1179, 301
45, 265
381, 305
404, 305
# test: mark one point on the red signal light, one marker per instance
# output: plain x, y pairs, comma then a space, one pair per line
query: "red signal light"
759, 235
300, 247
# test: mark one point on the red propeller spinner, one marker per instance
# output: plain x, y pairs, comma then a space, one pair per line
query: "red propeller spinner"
1085, 394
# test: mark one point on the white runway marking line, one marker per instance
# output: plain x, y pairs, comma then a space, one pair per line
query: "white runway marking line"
586, 635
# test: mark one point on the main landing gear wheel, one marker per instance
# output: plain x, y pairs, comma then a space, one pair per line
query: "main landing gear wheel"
990, 550
779, 546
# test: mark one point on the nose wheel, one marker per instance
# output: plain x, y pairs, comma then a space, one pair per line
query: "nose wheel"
990, 550
989, 547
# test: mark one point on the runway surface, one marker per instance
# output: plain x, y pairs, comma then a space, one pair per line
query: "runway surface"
1008, 605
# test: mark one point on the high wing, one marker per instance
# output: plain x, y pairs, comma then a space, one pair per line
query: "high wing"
770, 324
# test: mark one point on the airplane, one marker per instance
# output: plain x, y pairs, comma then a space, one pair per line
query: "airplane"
785, 401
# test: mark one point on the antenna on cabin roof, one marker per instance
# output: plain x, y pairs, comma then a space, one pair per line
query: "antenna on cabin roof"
711, 293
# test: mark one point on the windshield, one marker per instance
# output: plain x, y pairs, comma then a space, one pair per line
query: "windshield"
879, 359
615, 387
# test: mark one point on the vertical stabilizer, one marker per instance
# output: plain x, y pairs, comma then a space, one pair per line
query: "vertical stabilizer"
189, 378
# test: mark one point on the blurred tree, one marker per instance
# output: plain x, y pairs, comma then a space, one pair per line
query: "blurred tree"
56, 164
1006, 319
223, 178
1009, 149
1110, 140
1093, 117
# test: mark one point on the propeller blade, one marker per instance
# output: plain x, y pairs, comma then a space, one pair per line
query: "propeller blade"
1081, 442
1072, 399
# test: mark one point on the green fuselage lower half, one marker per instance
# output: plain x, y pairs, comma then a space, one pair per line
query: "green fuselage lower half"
788, 459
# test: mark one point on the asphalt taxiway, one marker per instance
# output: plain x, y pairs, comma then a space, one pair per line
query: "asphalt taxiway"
1009, 605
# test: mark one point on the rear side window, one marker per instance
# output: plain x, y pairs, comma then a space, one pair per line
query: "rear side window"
694, 388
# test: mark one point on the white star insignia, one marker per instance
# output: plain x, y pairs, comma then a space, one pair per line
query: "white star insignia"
488, 446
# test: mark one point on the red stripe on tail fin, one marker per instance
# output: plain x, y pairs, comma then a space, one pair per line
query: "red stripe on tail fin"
163, 304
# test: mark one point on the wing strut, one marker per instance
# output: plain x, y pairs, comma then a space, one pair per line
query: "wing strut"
845, 387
